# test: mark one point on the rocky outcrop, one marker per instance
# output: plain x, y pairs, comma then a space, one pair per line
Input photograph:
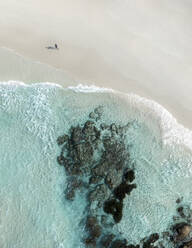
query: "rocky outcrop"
97, 162
96, 159
94, 231
187, 244
181, 230
179, 233
148, 243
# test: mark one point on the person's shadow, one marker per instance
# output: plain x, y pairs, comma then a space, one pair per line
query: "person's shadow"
55, 47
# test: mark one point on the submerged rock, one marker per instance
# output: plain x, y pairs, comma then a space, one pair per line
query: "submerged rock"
178, 235
98, 157
91, 221
133, 246
89, 129
100, 193
75, 169
95, 179
123, 189
90, 242
83, 153
129, 176
113, 179
115, 208
77, 135
94, 230
180, 211
100, 169
186, 244
61, 159
119, 244
113, 127
72, 186
179, 200
107, 240
152, 239
62, 139
182, 230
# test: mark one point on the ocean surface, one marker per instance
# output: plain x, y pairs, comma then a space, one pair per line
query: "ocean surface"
33, 209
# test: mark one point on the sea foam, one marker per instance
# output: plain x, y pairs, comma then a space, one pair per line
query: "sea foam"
33, 211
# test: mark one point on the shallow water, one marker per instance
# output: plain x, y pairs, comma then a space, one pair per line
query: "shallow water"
33, 209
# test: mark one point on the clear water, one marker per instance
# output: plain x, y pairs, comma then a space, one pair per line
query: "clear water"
33, 210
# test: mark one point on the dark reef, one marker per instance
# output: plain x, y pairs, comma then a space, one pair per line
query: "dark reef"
97, 162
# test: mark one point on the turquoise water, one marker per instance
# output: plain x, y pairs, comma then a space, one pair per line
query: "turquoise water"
33, 209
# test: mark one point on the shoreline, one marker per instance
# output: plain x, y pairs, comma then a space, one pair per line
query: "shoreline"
137, 47
154, 115
43, 73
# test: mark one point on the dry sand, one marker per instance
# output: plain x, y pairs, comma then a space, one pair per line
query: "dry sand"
139, 46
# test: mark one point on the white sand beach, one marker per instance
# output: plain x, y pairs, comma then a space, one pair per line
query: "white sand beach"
140, 46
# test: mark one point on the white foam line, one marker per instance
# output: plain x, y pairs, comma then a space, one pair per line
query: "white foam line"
171, 130
19, 83
147, 110
89, 88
